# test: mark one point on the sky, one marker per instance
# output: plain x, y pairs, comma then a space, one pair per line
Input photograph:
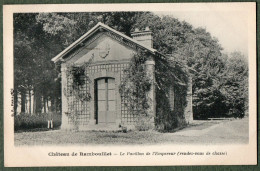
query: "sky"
229, 27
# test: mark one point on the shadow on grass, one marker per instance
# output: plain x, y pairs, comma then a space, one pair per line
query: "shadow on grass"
35, 130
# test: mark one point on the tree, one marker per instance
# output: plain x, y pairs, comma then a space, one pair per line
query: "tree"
234, 84
33, 70
197, 50
23, 65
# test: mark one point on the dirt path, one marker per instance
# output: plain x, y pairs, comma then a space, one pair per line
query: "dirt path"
200, 132
212, 132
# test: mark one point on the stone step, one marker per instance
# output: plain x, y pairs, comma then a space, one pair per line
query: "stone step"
101, 127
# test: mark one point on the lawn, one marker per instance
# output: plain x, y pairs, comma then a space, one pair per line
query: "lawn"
200, 132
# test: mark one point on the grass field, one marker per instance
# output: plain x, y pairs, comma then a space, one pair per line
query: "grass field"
200, 132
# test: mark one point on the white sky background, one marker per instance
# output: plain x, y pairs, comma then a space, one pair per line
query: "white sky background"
230, 28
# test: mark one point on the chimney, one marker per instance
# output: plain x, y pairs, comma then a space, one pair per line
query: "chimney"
145, 37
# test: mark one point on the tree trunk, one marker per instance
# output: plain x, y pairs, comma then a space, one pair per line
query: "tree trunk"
34, 101
47, 105
53, 108
44, 103
37, 101
30, 102
23, 98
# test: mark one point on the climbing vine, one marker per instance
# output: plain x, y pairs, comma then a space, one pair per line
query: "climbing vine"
135, 86
77, 78
171, 77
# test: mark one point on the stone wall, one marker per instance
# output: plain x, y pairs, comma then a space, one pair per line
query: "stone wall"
188, 109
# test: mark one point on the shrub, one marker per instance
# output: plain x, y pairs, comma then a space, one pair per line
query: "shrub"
25, 121
144, 123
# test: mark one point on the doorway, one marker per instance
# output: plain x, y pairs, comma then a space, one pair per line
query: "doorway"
105, 101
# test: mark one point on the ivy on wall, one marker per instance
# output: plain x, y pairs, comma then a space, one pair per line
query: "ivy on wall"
77, 78
170, 76
135, 86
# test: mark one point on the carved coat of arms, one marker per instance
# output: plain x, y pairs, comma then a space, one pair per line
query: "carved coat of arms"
104, 50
